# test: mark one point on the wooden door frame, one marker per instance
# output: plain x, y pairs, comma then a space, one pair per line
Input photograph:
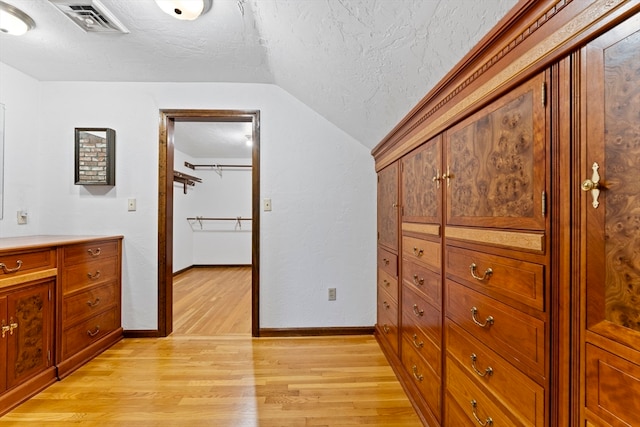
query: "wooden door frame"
168, 118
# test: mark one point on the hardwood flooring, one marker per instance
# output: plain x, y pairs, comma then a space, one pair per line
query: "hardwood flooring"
230, 380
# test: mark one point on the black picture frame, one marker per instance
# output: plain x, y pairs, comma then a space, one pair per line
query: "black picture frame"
95, 156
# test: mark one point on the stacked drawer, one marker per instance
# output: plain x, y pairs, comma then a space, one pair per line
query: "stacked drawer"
388, 297
496, 338
90, 301
421, 314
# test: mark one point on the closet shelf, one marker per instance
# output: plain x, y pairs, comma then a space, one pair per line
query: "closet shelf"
217, 168
185, 179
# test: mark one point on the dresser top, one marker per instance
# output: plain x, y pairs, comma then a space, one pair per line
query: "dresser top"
41, 241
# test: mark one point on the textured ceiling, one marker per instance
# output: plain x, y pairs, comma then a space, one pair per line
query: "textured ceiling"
362, 64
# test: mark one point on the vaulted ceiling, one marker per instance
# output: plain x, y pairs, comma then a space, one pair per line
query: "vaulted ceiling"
362, 64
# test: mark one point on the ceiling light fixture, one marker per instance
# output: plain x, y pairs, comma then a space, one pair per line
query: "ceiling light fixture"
184, 9
14, 21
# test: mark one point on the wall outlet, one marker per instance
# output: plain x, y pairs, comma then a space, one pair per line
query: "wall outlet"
266, 204
131, 205
332, 294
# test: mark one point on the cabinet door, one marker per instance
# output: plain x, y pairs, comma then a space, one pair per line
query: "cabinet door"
28, 345
388, 207
421, 189
610, 171
4, 321
495, 163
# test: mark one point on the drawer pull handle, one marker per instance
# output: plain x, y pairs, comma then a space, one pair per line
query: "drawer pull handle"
386, 304
488, 321
11, 270
94, 276
418, 252
93, 303
417, 344
386, 261
385, 328
487, 422
488, 371
386, 283
95, 252
487, 273
94, 333
418, 282
416, 375
5, 329
417, 311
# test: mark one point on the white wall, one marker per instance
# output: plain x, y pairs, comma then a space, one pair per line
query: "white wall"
320, 234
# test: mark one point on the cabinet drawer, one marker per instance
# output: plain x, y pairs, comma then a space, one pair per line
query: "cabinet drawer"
388, 283
476, 404
91, 251
88, 303
17, 264
498, 277
517, 337
427, 381
388, 322
388, 262
84, 334
512, 388
423, 314
421, 343
89, 274
422, 251
423, 280
612, 387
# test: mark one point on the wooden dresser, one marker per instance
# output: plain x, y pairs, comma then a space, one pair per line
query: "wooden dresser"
59, 307
515, 208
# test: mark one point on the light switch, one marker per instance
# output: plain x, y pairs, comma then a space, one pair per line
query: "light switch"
266, 204
131, 205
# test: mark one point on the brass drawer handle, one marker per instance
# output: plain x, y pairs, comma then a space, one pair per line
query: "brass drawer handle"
94, 333
386, 261
417, 311
488, 371
488, 321
487, 422
385, 328
93, 303
94, 276
386, 283
416, 375
417, 344
11, 270
418, 282
386, 305
487, 273
95, 252
418, 252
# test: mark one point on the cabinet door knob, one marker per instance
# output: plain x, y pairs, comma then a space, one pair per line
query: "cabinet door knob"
593, 185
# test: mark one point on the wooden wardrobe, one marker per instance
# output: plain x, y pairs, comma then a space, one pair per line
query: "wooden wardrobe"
509, 226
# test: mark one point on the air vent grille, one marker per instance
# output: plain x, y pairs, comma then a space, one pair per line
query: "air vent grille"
90, 15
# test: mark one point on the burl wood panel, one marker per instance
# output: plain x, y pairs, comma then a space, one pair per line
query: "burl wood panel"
387, 206
420, 192
491, 161
622, 160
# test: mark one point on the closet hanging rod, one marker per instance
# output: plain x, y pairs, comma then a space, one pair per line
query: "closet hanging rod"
192, 166
185, 179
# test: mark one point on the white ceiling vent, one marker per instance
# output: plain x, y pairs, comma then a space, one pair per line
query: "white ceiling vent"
90, 15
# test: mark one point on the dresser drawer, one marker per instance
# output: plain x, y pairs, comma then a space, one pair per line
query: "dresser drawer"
424, 252
76, 254
423, 280
388, 322
89, 274
91, 330
517, 337
423, 314
388, 283
521, 395
499, 277
88, 303
612, 387
425, 378
421, 343
17, 264
388, 262
478, 405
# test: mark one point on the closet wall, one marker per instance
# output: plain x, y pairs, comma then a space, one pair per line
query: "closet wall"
223, 193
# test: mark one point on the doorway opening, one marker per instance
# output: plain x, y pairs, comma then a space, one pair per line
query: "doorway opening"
168, 118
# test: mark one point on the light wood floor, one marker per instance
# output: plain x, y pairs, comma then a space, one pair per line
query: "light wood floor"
226, 380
